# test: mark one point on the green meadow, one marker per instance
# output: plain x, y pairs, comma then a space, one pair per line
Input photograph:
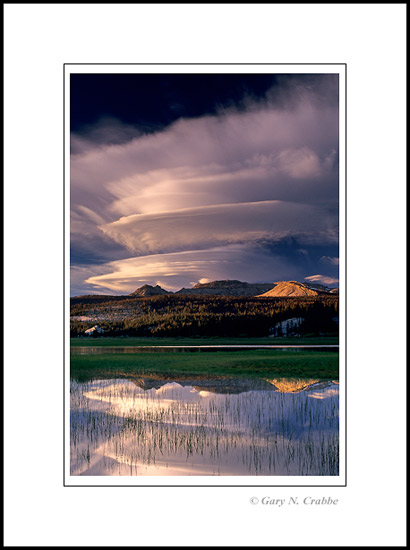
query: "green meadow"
259, 363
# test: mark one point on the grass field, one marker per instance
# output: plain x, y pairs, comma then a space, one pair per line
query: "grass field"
259, 363
103, 341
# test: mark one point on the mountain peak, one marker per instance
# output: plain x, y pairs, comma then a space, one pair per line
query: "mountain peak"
149, 290
294, 288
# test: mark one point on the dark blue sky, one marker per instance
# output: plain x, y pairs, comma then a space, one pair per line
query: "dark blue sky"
181, 178
156, 100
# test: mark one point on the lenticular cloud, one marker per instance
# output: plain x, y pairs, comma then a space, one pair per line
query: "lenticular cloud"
204, 227
265, 174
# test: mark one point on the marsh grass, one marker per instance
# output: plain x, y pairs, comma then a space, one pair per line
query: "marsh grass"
119, 429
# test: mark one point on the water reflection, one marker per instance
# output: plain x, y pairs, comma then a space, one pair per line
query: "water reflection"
147, 426
102, 350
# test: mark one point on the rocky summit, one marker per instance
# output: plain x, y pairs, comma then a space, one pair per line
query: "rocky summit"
148, 290
293, 288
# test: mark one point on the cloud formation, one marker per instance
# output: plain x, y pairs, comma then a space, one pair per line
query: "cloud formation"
331, 260
261, 174
243, 262
207, 226
322, 279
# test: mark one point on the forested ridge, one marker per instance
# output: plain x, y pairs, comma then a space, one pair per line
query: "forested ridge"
173, 315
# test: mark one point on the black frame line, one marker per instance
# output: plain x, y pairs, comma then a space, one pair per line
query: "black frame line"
269, 64
64, 342
64, 264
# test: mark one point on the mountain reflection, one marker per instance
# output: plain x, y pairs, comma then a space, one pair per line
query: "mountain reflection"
151, 426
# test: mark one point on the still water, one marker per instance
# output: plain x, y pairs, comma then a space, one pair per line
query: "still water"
229, 427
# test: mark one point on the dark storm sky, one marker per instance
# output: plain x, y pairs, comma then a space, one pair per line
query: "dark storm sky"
156, 100
177, 179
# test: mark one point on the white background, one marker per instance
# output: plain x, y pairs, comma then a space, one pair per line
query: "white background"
38, 40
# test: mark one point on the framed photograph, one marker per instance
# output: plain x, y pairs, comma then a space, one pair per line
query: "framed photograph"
205, 286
